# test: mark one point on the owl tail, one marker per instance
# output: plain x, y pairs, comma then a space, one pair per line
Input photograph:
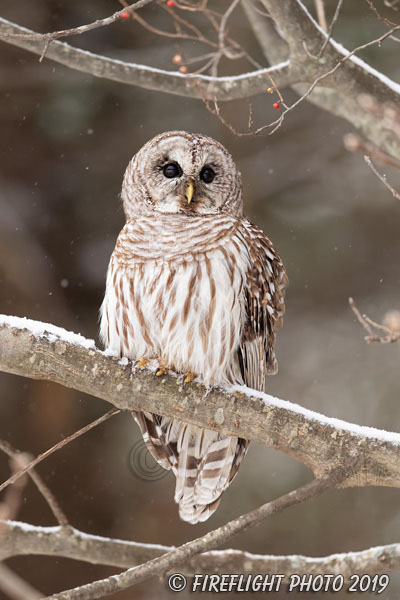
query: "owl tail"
203, 461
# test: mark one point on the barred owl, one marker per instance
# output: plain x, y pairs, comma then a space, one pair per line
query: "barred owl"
196, 286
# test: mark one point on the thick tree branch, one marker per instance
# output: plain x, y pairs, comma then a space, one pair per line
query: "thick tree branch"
336, 93
213, 539
172, 82
319, 442
274, 47
22, 539
55, 35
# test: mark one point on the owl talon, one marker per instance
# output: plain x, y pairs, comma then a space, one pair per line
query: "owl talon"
208, 391
160, 371
141, 362
188, 377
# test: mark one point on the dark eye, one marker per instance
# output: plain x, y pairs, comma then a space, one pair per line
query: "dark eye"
172, 170
207, 174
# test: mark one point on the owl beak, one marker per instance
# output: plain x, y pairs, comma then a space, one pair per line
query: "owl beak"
189, 191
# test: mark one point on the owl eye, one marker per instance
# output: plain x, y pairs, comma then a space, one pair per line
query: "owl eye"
172, 170
207, 174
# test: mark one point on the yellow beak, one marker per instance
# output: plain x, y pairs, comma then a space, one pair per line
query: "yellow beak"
189, 191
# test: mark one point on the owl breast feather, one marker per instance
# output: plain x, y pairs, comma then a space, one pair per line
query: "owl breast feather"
177, 296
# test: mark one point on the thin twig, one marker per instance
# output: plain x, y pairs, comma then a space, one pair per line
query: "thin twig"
221, 33
9, 507
40, 484
359, 316
382, 178
199, 37
15, 587
58, 446
55, 35
393, 335
320, 8
221, 535
190, 6
393, 4
355, 143
375, 10
331, 26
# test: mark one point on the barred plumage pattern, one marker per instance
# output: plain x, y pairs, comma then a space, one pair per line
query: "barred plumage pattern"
198, 287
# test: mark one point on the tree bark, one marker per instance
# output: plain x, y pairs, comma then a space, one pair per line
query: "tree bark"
320, 442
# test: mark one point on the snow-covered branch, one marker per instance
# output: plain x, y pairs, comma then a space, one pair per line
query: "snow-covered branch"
334, 82
22, 539
302, 39
42, 351
211, 540
150, 78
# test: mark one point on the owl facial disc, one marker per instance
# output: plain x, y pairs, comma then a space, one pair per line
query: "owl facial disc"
180, 173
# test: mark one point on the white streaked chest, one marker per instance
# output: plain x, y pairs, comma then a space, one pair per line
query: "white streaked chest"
188, 310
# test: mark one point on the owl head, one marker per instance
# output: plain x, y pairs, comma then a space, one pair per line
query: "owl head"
182, 174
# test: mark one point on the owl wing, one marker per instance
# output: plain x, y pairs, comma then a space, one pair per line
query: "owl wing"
263, 290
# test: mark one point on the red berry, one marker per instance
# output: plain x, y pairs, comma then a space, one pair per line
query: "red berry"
177, 59
171, 3
125, 15
276, 105
183, 69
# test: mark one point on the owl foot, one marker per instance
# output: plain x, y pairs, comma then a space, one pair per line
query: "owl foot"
141, 363
162, 368
186, 378
160, 371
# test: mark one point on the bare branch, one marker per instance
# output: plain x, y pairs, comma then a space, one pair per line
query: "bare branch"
11, 503
375, 10
158, 566
353, 79
319, 442
385, 182
15, 587
331, 26
391, 326
172, 82
55, 35
323, 76
355, 143
22, 539
320, 8
224, 21
274, 47
40, 484
27, 467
